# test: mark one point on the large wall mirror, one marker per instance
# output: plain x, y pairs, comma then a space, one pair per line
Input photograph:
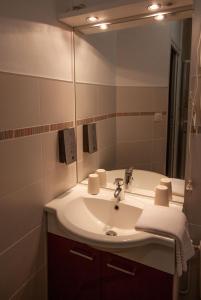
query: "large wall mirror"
133, 84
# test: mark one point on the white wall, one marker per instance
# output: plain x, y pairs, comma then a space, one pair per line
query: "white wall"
38, 52
31, 43
95, 58
143, 56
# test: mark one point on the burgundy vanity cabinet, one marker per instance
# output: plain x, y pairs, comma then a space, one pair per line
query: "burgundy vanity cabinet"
79, 272
128, 280
73, 270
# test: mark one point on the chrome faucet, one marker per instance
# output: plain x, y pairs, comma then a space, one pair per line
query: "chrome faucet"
118, 193
128, 176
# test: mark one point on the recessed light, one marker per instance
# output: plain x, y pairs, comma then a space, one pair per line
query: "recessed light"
102, 26
159, 17
154, 6
92, 19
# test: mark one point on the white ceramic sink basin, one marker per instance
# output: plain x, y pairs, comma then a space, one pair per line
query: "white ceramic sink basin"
79, 216
98, 216
89, 218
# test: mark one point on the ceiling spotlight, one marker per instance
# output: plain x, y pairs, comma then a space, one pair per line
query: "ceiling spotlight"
159, 17
154, 6
102, 26
92, 19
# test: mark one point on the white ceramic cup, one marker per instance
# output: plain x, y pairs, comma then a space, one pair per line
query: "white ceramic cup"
93, 184
167, 182
102, 177
161, 195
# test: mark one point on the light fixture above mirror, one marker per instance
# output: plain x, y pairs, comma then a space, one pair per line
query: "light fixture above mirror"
102, 26
92, 19
154, 6
126, 14
159, 17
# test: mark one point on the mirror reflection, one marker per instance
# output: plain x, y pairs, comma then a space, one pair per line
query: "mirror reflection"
133, 84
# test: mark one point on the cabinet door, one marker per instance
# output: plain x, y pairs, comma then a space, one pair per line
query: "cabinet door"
73, 270
127, 280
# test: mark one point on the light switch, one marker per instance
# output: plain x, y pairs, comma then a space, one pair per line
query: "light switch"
158, 117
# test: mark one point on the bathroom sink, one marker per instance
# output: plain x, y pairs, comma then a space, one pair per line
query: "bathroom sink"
99, 222
87, 215
94, 219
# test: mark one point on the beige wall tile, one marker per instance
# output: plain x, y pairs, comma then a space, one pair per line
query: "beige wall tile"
21, 211
160, 102
138, 99
21, 163
159, 167
142, 166
86, 100
36, 288
106, 133
50, 149
106, 99
107, 158
88, 165
138, 166
160, 129
79, 142
57, 102
20, 101
131, 153
158, 151
135, 128
59, 179
20, 262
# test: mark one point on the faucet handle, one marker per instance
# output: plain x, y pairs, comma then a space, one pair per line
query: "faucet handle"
119, 181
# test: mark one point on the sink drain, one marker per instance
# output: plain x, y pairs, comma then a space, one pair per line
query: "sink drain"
111, 233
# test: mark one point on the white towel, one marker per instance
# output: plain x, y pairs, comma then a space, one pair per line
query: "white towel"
169, 222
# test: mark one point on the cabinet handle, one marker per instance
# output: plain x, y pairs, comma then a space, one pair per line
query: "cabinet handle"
80, 254
121, 270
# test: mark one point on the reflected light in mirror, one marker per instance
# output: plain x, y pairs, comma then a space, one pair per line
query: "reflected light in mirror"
102, 26
154, 6
92, 19
159, 17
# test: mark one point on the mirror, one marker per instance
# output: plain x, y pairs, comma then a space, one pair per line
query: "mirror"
133, 84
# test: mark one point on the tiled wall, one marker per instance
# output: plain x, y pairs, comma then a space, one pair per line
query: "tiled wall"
96, 103
30, 176
142, 79
96, 99
36, 99
137, 74
141, 140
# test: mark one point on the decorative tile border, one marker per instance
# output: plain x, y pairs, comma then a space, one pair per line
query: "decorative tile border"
95, 119
21, 132
134, 114
7, 134
28, 131
119, 114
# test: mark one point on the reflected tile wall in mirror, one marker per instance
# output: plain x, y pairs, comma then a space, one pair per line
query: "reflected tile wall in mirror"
122, 83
